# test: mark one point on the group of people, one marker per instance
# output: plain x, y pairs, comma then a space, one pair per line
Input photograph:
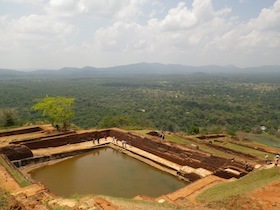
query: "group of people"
98, 139
114, 140
276, 159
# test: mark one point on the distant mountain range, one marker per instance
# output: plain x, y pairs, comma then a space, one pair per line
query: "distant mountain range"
139, 69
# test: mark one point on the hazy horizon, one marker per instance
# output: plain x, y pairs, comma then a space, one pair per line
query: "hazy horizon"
157, 68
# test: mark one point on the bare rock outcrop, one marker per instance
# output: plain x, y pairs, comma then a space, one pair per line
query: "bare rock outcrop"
16, 152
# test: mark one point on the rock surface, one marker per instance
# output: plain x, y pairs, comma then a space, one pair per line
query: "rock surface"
16, 152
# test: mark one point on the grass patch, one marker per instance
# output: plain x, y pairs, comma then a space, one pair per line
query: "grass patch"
223, 193
4, 196
215, 152
247, 150
17, 176
261, 139
178, 140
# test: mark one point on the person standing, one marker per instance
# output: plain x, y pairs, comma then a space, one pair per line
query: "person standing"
162, 137
266, 158
276, 160
124, 143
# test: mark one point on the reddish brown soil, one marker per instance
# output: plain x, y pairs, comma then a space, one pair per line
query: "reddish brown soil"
7, 182
267, 197
104, 204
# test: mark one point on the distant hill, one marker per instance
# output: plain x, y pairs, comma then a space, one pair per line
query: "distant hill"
4, 73
139, 69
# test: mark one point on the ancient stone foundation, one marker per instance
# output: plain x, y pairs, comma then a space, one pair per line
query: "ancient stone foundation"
16, 152
181, 155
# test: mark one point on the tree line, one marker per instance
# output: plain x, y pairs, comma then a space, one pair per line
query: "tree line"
198, 103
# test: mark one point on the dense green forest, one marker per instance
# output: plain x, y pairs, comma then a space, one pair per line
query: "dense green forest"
211, 102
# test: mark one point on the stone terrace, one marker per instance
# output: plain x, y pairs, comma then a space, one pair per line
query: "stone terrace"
198, 163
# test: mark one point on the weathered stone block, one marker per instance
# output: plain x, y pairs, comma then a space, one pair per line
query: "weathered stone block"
16, 152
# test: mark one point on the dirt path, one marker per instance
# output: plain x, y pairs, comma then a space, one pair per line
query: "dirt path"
193, 187
7, 181
186, 196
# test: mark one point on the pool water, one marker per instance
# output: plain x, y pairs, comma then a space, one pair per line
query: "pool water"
107, 172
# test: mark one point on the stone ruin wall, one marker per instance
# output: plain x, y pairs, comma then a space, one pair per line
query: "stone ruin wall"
231, 151
42, 137
188, 156
72, 138
16, 152
20, 131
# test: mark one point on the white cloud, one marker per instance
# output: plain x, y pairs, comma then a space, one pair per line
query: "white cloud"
181, 28
27, 3
203, 10
179, 18
32, 40
133, 31
263, 31
125, 9
35, 27
122, 37
269, 19
199, 35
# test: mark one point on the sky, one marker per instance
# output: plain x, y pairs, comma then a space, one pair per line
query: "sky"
51, 34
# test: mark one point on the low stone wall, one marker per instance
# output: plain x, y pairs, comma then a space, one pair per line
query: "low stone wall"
42, 137
192, 158
154, 147
212, 136
231, 151
191, 176
227, 175
16, 152
170, 151
41, 159
56, 141
255, 148
20, 131
20, 175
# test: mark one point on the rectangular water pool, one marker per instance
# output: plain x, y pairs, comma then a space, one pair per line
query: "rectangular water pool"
107, 172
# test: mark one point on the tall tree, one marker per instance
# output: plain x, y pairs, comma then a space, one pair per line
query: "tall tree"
8, 117
58, 109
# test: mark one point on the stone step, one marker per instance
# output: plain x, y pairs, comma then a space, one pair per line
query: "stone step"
193, 187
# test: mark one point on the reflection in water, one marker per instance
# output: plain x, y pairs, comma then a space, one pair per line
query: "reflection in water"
106, 171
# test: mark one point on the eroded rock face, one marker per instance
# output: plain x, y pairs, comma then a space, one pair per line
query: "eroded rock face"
16, 152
